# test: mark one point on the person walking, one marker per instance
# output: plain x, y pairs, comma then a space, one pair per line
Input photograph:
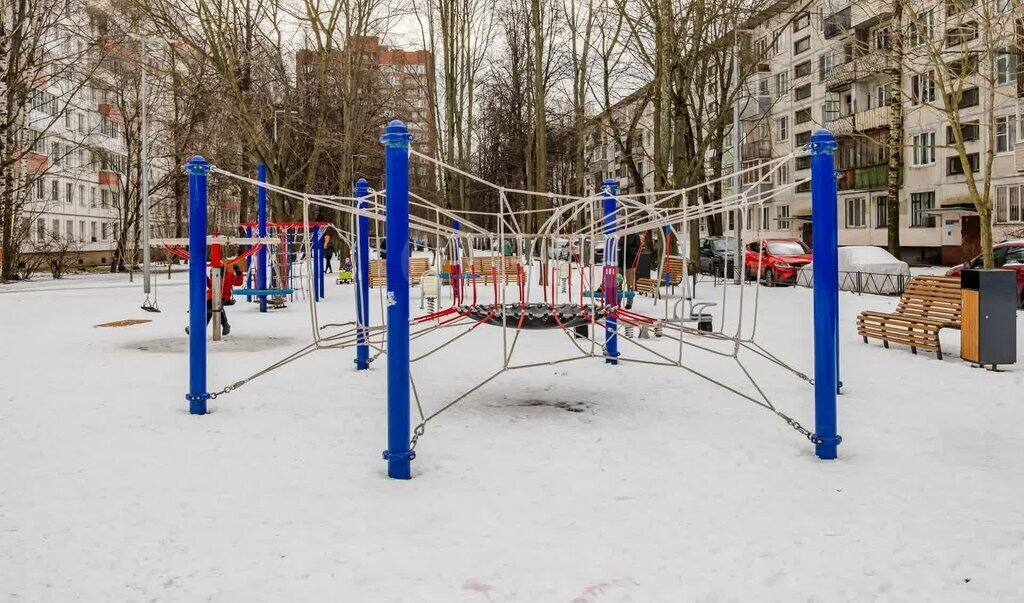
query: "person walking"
328, 254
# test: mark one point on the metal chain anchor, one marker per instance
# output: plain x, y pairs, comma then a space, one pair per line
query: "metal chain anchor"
416, 433
227, 390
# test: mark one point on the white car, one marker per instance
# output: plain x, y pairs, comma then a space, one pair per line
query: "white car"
864, 269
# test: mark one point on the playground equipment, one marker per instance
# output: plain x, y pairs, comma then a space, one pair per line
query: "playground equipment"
217, 264
607, 218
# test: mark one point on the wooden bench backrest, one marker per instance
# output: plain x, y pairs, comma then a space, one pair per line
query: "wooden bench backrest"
417, 266
486, 264
933, 297
675, 269
379, 271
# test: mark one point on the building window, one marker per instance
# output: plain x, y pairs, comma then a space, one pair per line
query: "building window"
803, 20
782, 129
781, 84
802, 70
802, 138
924, 149
802, 116
883, 94
803, 163
104, 198
751, 217
968, 98
1006, 133
40, 230
106, 230
1009, 203
922, 88
802, 45
40, 188
825, 64
81, 195
970, 131
883, 39
69, 230
837, 23
830, 109
92, 231
782, 213
962, 33
923, 29
81, 231
92, 197
1006, 66
803, 92
54, 190
955, 167
69, 192
882, 211
762, 87
855, 213
920, 202
782, 174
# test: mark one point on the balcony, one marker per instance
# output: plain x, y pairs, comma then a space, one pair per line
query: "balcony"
872, 177
36, 162
862, 121
758, 149
756, 107
857, 68
867, 13
109, 178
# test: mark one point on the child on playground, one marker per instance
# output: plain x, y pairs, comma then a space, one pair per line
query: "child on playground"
229, 281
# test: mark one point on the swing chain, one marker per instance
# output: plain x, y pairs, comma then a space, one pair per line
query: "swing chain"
228, 389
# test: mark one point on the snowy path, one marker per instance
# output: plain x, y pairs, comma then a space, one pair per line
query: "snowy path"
576, 482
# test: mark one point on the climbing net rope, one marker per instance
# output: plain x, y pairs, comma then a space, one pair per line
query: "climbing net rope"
578, 221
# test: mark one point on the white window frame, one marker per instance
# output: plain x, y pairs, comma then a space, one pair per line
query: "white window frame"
1009, 204
782, 129
923, 153
856, 215
1007, 138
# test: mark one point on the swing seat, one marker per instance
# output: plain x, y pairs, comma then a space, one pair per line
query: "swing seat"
626, 294
534, 315
263, 292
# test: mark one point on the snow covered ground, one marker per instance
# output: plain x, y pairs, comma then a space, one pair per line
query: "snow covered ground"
576, 482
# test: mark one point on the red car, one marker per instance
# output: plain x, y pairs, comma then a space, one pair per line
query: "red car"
1008, 256
781, 260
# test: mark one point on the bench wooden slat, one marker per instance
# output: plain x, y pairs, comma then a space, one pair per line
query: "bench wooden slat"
928, 305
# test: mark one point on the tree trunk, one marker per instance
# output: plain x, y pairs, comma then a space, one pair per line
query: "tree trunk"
895, 166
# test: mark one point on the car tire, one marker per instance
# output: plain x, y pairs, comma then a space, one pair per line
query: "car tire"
769, 278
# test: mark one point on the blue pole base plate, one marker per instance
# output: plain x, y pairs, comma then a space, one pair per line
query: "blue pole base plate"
197, 403
827, 448
398, 463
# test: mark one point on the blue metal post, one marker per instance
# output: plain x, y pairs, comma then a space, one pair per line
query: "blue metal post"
321, 235
664, 269
197, 169
824, 231
261, 231
396, 165
611, 294
314, 244
362, 268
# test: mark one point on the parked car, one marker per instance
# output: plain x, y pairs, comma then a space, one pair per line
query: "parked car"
864, 269
714, 251
1008, 256
780, 260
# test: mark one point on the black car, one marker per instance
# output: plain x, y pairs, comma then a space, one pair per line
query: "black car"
713, 254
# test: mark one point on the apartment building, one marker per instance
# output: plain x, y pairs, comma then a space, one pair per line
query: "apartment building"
828, 64
401, 87
77, 164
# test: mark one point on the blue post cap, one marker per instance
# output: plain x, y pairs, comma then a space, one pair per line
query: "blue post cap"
455, 224
362, 187
197, 165
822, 141
611, 185
396, 134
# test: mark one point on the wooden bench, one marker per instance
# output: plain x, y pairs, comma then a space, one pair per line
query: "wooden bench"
379, 271
675, 264
648, 286
487, 267
929, 304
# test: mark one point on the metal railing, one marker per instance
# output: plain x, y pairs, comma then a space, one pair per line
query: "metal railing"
858, 282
